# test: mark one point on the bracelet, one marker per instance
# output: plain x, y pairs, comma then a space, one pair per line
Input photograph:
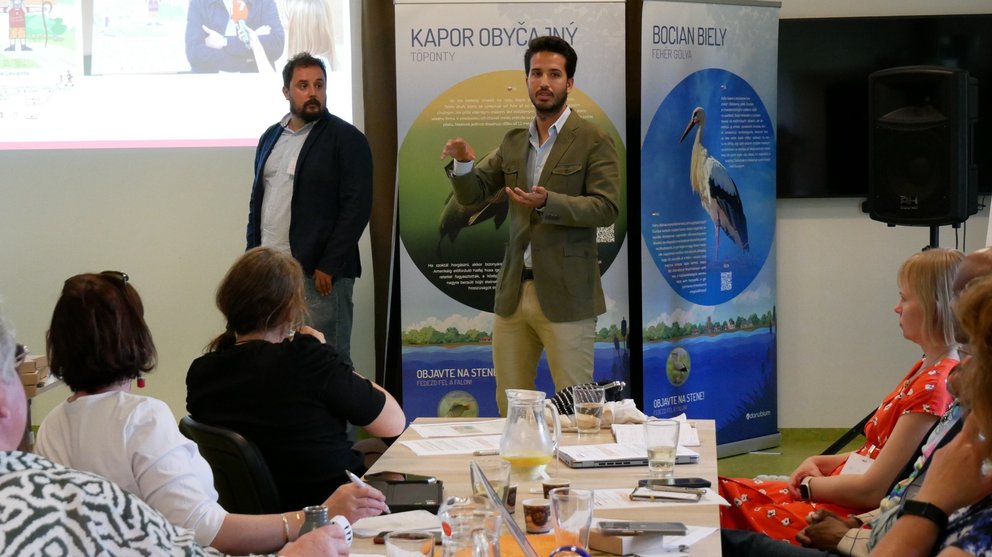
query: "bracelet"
929, 511
285, 526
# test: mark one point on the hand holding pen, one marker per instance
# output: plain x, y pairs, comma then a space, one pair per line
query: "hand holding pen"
357, 482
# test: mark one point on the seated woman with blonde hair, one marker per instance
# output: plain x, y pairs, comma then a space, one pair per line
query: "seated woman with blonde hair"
951, 514
857, 481
98, 343
291, 394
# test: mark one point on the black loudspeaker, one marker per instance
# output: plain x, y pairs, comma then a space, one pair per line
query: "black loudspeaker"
920, 145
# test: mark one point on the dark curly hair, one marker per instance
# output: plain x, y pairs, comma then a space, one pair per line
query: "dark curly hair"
557, 45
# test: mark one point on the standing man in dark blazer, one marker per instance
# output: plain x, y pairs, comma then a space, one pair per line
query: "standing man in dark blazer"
562, 176
312, 197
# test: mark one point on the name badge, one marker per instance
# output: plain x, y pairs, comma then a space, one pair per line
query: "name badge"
856, 464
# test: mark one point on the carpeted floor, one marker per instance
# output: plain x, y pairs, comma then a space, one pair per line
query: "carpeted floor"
797, 444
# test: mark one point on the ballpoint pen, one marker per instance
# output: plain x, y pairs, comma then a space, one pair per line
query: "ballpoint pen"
359, 483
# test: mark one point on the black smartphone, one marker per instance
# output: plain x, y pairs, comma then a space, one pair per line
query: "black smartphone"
696, 483
636, 527
400, 477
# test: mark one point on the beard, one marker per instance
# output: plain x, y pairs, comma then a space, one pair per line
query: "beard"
549, 107
309, 112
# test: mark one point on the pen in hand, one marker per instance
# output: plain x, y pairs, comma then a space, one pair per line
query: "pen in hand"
359, 483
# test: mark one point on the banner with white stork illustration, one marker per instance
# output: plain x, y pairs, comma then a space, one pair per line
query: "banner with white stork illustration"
460, 73
708, 95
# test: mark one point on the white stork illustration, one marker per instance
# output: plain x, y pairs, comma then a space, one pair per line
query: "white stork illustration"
716, 189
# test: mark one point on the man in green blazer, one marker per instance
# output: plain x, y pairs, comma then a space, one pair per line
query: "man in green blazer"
562, 177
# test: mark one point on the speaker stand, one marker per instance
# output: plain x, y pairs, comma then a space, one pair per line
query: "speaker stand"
934, 236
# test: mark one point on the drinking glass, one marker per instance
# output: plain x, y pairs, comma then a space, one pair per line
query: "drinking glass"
588, 402
661, 437
571, 515
497, 471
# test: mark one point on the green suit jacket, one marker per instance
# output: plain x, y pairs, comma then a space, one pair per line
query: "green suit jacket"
582, 176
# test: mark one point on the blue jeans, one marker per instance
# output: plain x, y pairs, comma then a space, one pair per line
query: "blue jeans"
332, 314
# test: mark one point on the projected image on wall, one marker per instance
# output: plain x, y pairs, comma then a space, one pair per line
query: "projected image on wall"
160, 73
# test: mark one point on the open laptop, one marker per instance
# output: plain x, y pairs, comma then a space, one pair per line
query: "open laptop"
611, 455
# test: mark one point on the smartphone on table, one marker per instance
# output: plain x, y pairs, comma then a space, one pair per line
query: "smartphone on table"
696, 483
638, 527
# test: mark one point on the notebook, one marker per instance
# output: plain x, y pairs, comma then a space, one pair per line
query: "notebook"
610, 455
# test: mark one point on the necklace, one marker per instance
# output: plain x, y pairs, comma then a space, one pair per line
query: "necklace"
925, 364
931, 362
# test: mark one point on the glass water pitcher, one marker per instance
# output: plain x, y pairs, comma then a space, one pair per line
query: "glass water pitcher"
528, 442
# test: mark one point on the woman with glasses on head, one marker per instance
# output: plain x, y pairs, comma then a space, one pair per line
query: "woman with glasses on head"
291, 394
98, 343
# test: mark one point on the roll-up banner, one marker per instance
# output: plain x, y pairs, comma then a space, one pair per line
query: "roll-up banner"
708, 95
460, 73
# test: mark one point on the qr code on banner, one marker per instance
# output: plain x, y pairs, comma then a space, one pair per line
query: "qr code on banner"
726, 281
606, 235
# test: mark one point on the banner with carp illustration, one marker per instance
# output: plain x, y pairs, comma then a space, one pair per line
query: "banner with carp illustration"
708, 111
460, 73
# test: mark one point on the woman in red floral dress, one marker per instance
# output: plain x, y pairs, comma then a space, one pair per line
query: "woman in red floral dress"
853, 482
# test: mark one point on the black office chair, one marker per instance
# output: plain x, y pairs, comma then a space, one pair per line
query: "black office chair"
241, 476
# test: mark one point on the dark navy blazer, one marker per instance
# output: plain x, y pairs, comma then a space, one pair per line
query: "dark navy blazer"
332, 196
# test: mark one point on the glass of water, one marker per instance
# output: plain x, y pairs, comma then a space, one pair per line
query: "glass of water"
661, 437
588, 402
497, 471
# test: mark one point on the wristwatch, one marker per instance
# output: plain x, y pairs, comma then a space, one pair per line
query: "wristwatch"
804, 490
933, 513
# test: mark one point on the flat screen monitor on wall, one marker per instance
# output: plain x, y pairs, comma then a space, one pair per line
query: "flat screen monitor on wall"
823, 92
80, 74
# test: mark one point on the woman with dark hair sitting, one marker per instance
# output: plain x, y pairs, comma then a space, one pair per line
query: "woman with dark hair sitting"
78, 513
98, 343
291, 394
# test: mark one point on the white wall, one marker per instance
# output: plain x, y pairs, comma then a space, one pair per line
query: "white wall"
840, 348
174, 221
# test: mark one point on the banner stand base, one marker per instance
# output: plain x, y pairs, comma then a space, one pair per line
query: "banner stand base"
748, 445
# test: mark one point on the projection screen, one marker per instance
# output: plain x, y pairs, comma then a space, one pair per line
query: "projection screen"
82, 74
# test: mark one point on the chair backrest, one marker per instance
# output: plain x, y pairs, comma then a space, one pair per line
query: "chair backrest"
850, 435
241, 476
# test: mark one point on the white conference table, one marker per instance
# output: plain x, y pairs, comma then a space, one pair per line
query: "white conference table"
454, 472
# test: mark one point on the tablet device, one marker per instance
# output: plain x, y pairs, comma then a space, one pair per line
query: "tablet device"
410, 496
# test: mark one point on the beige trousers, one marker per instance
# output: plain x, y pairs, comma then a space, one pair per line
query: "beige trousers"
519, 339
